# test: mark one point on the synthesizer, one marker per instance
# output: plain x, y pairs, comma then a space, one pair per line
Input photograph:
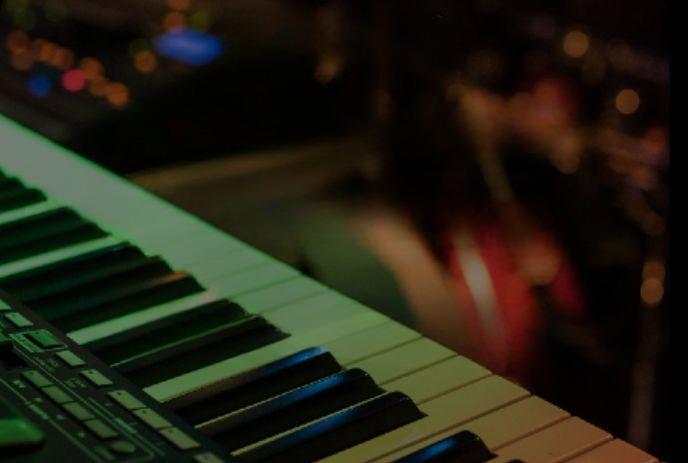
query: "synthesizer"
233, 348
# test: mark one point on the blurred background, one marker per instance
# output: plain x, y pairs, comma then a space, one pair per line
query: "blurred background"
491, 173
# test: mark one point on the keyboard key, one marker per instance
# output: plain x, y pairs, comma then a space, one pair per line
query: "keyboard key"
292, 409
96, 378
100, 429
14, 199
70, 272
613, 451
70, 359
255, 385
157, 333
18, 320
184, 355
36, 378
336, 432
44, 232
45, 339
126, 400
78, 411
151, 418
179, 439
464, 447
56, 394
74, 313
556, 443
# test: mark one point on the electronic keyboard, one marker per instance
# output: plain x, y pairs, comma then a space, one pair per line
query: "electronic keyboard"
234, 346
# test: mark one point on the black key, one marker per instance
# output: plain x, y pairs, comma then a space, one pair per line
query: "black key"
255, 385
158, 333
292, 409
13, 194
76, 313
10, 184
463, 447
14, 199
103, 284
198, 351
44, 232
68, 273
338, 431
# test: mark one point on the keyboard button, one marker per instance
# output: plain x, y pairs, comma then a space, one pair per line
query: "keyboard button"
36, 378
45, 339
255, 385
179, 439
207, 458
123, 447
18, 320
292, 409
126, 400
100, 429
78, 411
56, 394
182, 356
70, 359
462, 447
96, 378
336, 432
152, 419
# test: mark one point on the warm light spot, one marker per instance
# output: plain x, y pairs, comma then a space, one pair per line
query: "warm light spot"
179, 5
17, 41
44, 50
654, 269
97, 85
652, 291
117, 94
62, 58
576, 43
74, 80
91, 67
627, 101
145, 62
22, 61
174, 20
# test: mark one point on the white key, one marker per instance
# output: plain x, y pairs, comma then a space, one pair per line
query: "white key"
560, 442
616, 450
438, 379
403, 360
279, 294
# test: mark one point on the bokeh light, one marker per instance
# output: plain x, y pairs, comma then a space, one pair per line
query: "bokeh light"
627, 101
74, 80
576, 43
40, 86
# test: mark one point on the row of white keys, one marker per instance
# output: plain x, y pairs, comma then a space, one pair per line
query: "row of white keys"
498, 428
444, 413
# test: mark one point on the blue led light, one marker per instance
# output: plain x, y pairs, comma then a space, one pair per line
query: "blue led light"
40, 86
189, 46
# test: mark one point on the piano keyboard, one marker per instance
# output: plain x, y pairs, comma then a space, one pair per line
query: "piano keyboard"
270, 364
